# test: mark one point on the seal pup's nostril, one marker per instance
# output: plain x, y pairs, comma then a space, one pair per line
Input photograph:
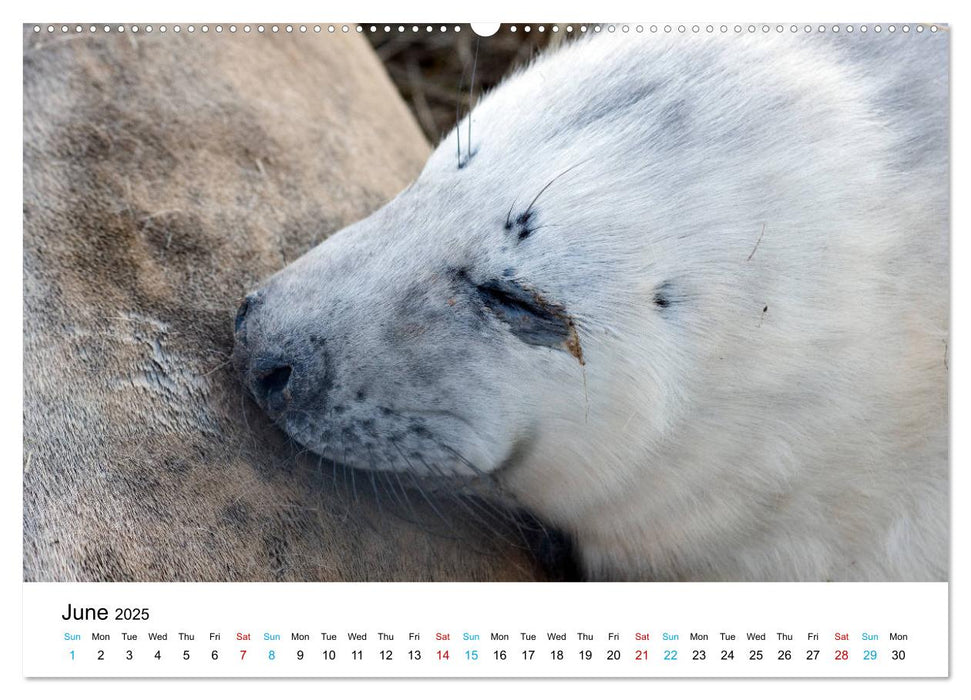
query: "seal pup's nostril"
271, 386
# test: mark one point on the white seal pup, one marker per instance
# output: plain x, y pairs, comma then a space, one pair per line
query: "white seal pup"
685, 298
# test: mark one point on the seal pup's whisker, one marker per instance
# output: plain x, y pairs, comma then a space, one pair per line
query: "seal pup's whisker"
458, 120
388, 475
508, 224
458, 130
458, 139
503, 498
242, 410
497, 505
344, 468
761, 233
456, 497
361, 513
405, 500
421, 490
473, 506
320, 477
334, 485
475, 470
374, 484
405, 497
545, 187
215, 369
475, 60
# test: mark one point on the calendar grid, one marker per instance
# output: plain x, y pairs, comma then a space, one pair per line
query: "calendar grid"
486, 630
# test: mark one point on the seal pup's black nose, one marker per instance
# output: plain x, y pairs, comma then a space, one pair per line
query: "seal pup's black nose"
266, 374
280, 361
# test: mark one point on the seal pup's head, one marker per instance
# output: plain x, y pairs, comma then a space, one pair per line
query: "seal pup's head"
527, 308
467, 325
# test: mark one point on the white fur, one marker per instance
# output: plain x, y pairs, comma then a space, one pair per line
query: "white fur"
785, 416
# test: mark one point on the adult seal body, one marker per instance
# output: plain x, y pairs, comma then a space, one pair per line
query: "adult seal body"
684, 298
160, 182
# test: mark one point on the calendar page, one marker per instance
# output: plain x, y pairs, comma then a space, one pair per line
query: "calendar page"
512, 350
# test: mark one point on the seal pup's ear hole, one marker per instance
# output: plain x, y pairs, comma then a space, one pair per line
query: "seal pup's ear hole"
666, 296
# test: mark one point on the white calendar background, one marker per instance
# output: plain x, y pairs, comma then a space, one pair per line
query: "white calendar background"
487, 630
918, 610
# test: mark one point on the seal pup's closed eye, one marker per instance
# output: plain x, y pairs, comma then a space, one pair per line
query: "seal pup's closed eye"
528, 315
574, 304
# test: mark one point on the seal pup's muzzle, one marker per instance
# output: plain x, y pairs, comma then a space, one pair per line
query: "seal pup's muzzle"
276, 370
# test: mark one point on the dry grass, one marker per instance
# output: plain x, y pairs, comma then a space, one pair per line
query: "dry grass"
432, 70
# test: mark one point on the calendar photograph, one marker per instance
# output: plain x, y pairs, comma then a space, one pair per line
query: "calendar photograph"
517, 303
